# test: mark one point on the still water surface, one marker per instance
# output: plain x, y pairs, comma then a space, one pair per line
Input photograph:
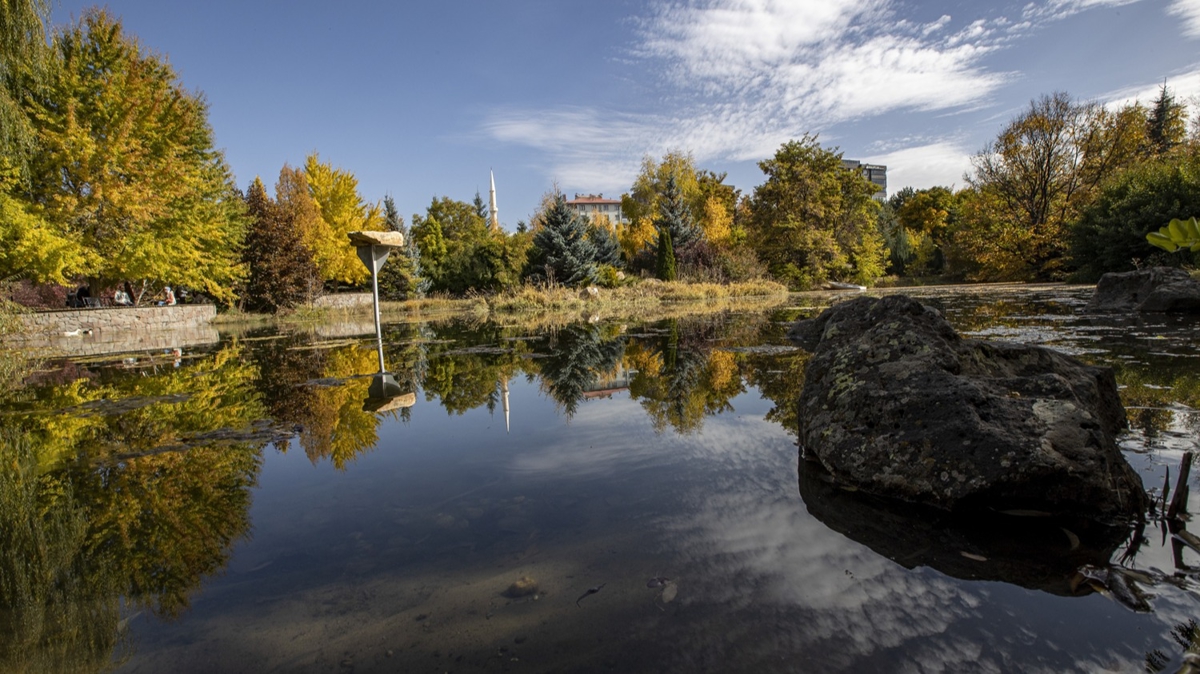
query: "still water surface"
235, 509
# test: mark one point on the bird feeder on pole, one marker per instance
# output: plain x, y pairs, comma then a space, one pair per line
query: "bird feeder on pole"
373, 249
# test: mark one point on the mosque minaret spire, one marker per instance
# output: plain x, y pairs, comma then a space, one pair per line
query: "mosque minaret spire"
494, 215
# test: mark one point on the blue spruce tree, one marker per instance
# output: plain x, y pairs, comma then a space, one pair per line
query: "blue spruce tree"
562, 252
674, 216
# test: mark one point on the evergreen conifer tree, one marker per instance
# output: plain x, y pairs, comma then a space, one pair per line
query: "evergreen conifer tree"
666, 256
400, 277
675, 217
608, 251
281, 268
1165, 125
563, 253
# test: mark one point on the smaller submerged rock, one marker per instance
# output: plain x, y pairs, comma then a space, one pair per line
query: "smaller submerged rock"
1158, 289
522, 587
897, 404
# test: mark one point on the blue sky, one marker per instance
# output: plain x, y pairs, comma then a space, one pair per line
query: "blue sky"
421, 99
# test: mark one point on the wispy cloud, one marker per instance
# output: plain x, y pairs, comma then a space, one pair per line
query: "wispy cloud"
739, 77
1061, 9
1189, 11
743, 76
1183, 85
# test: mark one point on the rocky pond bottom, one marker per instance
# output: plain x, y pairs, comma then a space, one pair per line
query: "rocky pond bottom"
597, 498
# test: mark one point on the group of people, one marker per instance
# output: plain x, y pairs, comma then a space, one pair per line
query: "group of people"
122, 297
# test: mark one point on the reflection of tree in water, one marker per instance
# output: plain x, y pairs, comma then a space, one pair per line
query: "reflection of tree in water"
406, 349
780, 378
681, 378
1148, 394
58, 612
1187, 636
579, 356
466, 365
334, 426
107, 497
319, 392
284, 365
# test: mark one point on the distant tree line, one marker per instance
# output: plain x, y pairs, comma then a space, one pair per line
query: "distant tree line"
109, 178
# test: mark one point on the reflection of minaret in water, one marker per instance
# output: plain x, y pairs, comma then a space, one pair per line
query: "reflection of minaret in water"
494, 213
504, 401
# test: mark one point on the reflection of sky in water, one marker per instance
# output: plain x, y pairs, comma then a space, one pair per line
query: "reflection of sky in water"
399, 562
409, 549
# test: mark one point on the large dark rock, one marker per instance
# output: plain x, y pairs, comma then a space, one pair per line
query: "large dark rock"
1158, 289
897, 404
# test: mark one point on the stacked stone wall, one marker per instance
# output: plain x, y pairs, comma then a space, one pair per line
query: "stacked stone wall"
38, 326
344, 301
87, 332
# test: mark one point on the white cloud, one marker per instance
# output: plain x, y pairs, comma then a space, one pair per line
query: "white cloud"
1184, 86
1189, 11
1061, 9
747, 75
740, 77
939, 163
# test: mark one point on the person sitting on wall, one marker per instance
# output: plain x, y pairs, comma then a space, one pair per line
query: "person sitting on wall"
168, 298
121, 298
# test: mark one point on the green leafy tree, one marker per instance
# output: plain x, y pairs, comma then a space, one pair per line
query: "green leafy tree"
665, 256
126, 168
281, 271
1042, 169
460, 252
1110, 235
431, 242
642, 200
921, 228
813, 220
23, 56
562, 252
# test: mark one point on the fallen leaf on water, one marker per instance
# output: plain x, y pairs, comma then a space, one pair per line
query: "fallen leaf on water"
968, 555
1071, 537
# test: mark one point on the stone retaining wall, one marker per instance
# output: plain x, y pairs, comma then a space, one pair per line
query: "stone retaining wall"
344, 301
38, 326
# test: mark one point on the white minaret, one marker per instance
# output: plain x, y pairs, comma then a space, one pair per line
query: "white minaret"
495, 213
504, 389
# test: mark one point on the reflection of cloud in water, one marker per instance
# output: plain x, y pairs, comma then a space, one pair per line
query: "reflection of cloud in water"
592, 452
755, 556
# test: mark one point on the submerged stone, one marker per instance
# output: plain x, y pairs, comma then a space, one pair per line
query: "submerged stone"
897, 404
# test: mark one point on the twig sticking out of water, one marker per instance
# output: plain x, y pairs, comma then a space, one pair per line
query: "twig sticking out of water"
1179, 502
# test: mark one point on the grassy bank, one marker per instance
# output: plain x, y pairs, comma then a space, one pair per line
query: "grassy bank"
535, 304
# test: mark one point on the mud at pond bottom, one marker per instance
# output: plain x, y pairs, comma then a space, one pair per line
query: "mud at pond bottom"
439, 618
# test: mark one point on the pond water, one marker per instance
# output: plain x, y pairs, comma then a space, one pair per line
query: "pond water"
593, 497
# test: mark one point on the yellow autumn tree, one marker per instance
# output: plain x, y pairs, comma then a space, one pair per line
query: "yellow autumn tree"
125, 172
342, 209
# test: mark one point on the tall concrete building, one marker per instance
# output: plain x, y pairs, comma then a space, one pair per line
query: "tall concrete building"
876, 173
